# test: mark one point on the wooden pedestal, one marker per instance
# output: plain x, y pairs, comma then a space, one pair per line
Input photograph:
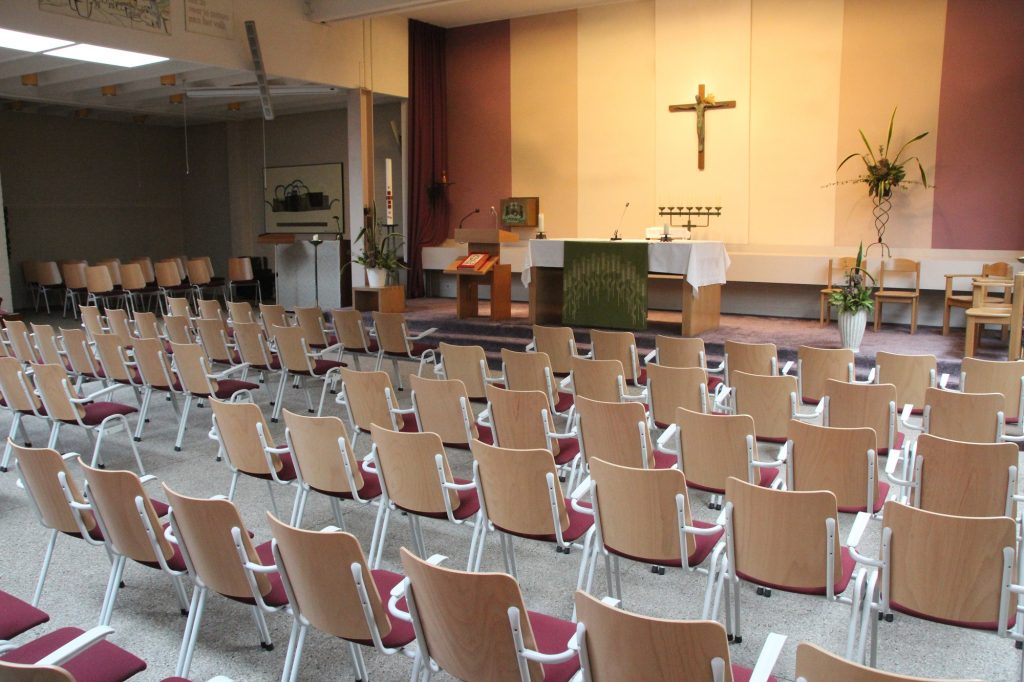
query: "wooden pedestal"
389, 299
703, 312
494, 274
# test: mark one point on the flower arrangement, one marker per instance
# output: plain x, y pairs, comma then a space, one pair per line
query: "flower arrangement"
856, 294
882, 174
381, 249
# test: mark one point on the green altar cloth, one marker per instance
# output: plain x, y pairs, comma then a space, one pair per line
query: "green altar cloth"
605, 285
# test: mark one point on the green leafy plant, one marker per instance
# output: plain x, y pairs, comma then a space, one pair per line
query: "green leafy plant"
883, 174
381, 249
856, 294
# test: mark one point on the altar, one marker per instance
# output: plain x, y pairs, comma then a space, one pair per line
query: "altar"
700, 266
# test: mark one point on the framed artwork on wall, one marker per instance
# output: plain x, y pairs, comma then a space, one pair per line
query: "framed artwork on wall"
520, 211
304, 199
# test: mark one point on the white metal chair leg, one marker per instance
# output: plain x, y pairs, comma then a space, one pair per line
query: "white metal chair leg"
273, 500
46, 567
233, 486
380, 527
183, 422
279, 399
11, 435
147, 398
188, 640
113, 583
54, 431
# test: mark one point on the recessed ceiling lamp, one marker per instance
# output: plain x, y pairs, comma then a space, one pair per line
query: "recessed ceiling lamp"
29, 42
105, 55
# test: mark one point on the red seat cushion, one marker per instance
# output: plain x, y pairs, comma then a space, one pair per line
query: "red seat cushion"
275, 364
713, 382
974, 625
285, 473
848, 564
484, 435
102, 662
564, 401
883, 492
407, 424
768, 474
664, 460
897, 442
17, 616
322, 366
95, 413
579, 523
401, 631
703, 544
771, 439
741, 674
371, 488
176, 562
642, 377
469, 504
276, 596
418, 349
552, 636
229, 387
567, 449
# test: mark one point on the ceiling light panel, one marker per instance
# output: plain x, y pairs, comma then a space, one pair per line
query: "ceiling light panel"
29, 42
105, 55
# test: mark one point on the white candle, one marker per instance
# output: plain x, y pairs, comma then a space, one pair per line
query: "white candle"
388, 196
316, 237
540, 223
665, 229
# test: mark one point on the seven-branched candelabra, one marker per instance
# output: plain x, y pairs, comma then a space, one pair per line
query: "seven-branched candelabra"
702, 214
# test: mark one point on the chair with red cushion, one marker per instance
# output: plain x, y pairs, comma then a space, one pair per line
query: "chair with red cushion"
151, 361
618, 645
669, 535
214, 336
910, 374
348, 602
559, 344
753, 358
84, 365
442, 406
20, 342
65, 406
468, 364
117, 368
369, 398
298, 359
17, 616
679, 351
772, 401
967, 417
454, 613
397, 343
353, 337
19, 397
814, 664
621, 346
521, 420
255, 351
415, 478
852, 405
991, 376
311, 320
200, 383
618, 433
816, 366
70, 655
220, 557
671, 388
533, 371
789, 540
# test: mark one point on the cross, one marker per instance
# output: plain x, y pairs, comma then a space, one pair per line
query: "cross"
701, 104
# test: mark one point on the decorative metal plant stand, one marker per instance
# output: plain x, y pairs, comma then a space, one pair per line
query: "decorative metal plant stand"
880, 211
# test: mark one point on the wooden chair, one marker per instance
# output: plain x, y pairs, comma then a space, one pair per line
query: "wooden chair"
243, 436
254, 350
20, 342
119, 324
910, 374
669, 388
560, 345
65, 406
618, 433
348, 602
239, 311
397, 343
644, 515
20, 398
853, 405
415, 478
220, 556
311, 321
92, 321
368, 398
47, 281
615, 645
75, 286
210, 309
788, 540
442, 406
180, 306
837, 267
240, 274
468, 364
751, 358
771, 401
169, 281
521, 420
325, 463
814, 664
1003, 377
965, 301
300, 361
680, 351
45, 337
842, 461
135, 286
353, 337
151, 361
273, 315
984, 311
955, 570
200, 278
69, 654
900, 271
967, 417
520, 497
178, 329
113, 356
145, 263
815, 366
454, 611
146, 326
621, 346
213, 337
100, 286
534, 372
603, 380
84, 364
130, 525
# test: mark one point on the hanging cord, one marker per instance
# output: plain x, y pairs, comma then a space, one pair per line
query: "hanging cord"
263, 128
184, 116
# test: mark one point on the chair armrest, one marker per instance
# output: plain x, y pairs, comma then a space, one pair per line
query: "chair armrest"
329, 529
92, 396
635, 398
229, 371
943, 380
580, 508
862, 558
459, 486
665, 440
582, 489
694, 530
785, 368
69, 455
403, 410
651, 357
892, 461
1011, 438
531, 347
716, 370
76, 646
564, 383
814, 414
768, 657
147, 479
860, 523
422, 334
905, 418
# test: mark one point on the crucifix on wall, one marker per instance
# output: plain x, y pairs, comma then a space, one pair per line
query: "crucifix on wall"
702, 103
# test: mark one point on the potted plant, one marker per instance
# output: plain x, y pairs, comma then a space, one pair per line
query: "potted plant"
882, 175
381, 254
854, 300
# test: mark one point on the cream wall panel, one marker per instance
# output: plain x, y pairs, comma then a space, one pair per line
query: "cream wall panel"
544, 110
796, 48
892, 56
704, 42
616, 119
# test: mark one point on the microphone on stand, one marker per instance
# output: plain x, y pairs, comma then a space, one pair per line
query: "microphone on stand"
495, 214
615, 235
475, 210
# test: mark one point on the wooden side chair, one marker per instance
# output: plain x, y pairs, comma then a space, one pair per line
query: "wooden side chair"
771, 401
603, 380
369, 398
534, 372
453, 611
910, 374
48, 280
814, 664
210, 309
45, 337
145, 264
397, 343
273, 315
815, 366
965, 301
120, 324
169, 281
146, 326
100, 285
239, 311
836, 278
75, 286
993, 376
240, 274
1003, 314
254, 350
681, 351
113, 355
200, 279
468, 364
348, 602
560, 345
178, 329
618, 433
842, 461
621, 346
752, 358
670, 388
311, 321
84, 365
521, 420
904, 286
852, 405
353, 336
69, 654
20, 398
92, 321
180, 306
21, 342
135, 286
967, 417
299, 360
214, 337
156, 374
442, 406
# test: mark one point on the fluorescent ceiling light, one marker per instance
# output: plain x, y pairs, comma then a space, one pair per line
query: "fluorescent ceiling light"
29, 42
105, 55
253, 91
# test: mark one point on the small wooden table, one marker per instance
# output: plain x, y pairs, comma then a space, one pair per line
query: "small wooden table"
389, 299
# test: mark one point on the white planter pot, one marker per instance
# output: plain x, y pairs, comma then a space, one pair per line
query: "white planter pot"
377, 277
851, 328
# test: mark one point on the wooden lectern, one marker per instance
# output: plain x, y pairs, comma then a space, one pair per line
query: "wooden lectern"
491, 272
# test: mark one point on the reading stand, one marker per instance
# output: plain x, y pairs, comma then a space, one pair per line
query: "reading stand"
472, 272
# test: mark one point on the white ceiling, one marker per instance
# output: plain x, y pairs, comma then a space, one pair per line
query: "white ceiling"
446, 13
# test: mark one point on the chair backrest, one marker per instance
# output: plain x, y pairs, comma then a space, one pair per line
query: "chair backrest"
991, 376
236, 423
833, 459
612, 432
526, 371
669, 388
597, 379
871, 405
17, 334
145, 263
178, 328
240, 270
407, 465
203, 527
209, 265
38, 469
213, 334
626, 646
637, 510
463, 363
319, 446
112, 356
968, 417
947, 568
113, 494
348, 327
838, 269
962, 479
438, 408
560, 345
517, 419
46, 343
391, 332
311, 321
179, 307
621, 346
752, 358
98, 279
114, 266
54, 388
252, 344
814, 664
198, 274
680, 351
902, 273
515, 490
145, 324
27, 672
766, 399
74, 275
292, 346
272, 315
457, 611
818, 365
167, 274
779, 536
209, 309
240, 311
16, 387
92, 320
1016, 317
366, 397
179, 262
715, 447
48, 274
30, 271
79, 354
153, 363
329, 600
132, 277
119, 325
193, 368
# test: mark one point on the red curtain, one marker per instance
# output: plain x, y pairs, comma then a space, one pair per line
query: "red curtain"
428, 146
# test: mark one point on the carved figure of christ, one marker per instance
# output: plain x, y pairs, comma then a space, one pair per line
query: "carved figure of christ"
702, 103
